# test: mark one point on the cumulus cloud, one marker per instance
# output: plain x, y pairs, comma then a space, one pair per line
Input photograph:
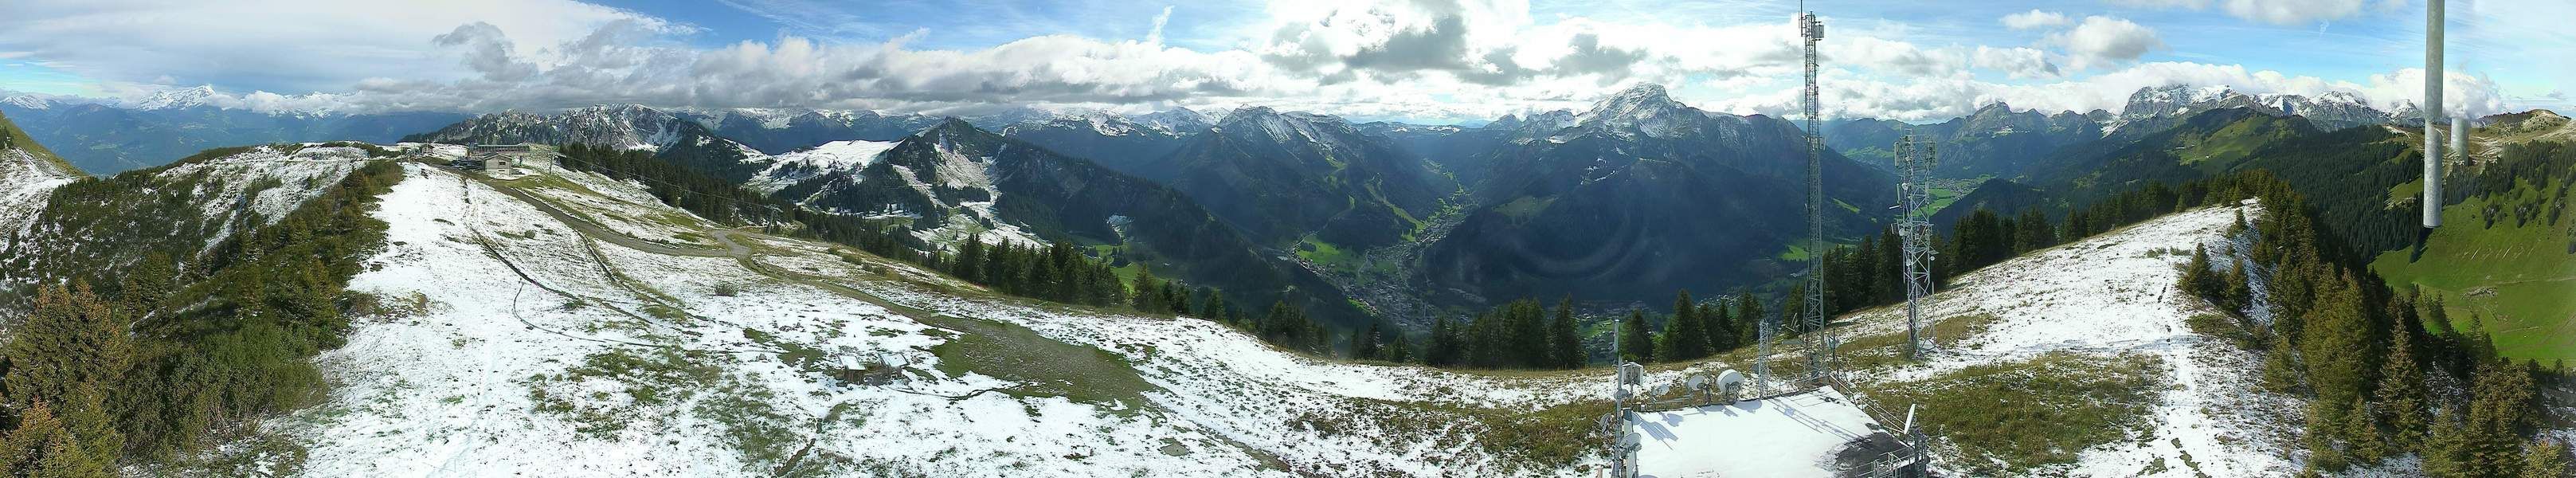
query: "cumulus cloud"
2105, 41
2017, 62
2034, 19
487, 51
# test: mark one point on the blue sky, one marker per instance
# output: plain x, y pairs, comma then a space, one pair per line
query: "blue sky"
1423, 60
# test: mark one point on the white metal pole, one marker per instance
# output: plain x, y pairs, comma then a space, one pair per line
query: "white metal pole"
2432, 202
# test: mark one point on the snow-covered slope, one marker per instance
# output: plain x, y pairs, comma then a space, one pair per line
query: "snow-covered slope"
532, 344
792, 167
27, 175
2115, 294
193, 206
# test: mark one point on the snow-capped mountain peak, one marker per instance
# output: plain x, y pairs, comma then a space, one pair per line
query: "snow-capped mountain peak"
1176, 120
201, 95
30, 102
1644, 108
2332, 110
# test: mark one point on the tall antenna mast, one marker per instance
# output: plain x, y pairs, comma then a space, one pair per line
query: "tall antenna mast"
2432, 202
1915, 158
1821, 347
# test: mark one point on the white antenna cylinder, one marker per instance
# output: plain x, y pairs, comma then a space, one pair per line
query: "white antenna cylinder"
2432, 202
2460, 137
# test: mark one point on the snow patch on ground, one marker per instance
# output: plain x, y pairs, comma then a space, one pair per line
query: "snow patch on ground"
498, 375
2111, 294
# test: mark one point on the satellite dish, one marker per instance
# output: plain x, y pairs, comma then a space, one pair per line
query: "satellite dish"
1697, 382
1661, 389
1620, 395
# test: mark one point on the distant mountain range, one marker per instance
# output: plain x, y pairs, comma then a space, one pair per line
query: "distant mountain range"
1621, 202
1638, 196
110, 137
1997, 141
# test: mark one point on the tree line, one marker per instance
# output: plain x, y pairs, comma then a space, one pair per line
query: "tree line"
2364, 356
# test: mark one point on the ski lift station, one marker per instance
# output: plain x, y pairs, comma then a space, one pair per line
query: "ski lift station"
501, 160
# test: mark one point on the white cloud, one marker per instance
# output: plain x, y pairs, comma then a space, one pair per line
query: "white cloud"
2102, 41
1430, 60
2017, 62
280, 44
2277, 12
2034, 19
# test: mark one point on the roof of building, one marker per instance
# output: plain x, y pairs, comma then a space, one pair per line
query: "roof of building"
1810, 434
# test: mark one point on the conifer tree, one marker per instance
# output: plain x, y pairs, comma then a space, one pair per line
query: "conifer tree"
2032, 232
2545, 460
43, 446
1635, 343
2337, 349
1215, 308
1566, 343
2281, 368
68, 352
1749, 316
1721, 328
1176, 298
1149, 296
2240, 287
1527, 338
2196, 274
2402, 395
64, 460
2361, 434
2500, 413
1443, 350
1683, 337
1364, 343
1400, 350
2447, 451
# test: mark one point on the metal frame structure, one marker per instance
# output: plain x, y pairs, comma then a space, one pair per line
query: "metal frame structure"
1915, 158
1820, 341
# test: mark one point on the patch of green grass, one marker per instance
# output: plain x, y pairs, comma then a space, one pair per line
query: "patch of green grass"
1863, 353
1044, 367
1796, 252
1324, 253
2514, 278
1554, 436
2226, 328
1520, 210
2017, 417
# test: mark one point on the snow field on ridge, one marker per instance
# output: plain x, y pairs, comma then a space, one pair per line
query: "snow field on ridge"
2111, 294
447, 392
